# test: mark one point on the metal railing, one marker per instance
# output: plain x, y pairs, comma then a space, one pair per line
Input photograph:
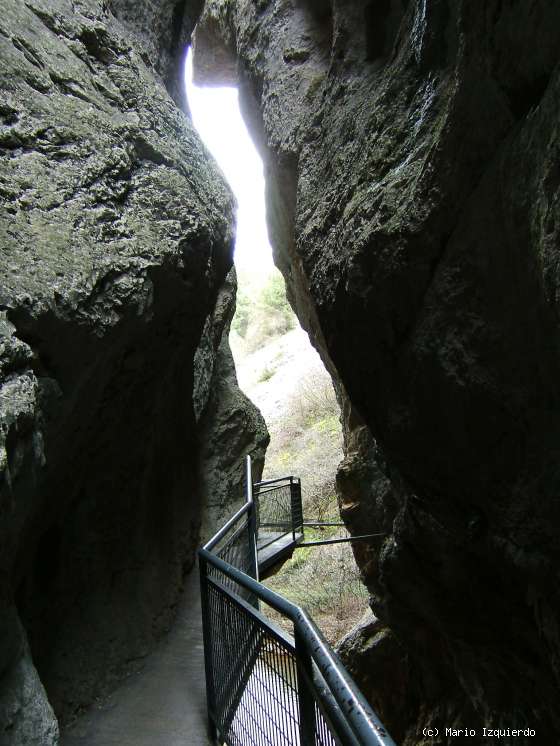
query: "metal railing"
265, 687
278, 509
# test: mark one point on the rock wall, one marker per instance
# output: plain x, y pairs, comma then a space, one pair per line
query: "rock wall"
116, 237
228, 423
411, 154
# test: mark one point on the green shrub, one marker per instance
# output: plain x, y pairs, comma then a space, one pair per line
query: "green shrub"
264, 313
242, 315
266, 374
273, 295
315, 402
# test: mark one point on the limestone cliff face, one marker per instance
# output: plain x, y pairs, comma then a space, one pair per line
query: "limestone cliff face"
411, 151
116, 237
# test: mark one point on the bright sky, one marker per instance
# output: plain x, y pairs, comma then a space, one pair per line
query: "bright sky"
216, 116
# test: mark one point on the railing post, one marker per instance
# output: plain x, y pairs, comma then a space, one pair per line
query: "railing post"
306, 702
207, 638
252, 517
296, 505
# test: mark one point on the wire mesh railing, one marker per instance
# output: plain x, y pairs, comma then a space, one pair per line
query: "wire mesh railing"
278, 509
255, 695
266, 687
235, 543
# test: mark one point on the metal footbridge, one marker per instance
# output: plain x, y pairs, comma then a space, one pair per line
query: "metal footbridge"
264, 687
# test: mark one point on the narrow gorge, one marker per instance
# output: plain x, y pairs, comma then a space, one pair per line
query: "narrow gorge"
411, 152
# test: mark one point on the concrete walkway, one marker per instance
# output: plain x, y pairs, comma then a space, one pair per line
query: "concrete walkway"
165, 703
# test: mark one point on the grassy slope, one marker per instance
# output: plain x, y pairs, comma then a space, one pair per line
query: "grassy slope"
287, 381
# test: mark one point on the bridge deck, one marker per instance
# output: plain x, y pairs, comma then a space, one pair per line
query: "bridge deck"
274, 549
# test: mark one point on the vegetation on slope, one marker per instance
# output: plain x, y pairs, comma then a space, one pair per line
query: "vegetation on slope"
284, 376
262, 313
324, 579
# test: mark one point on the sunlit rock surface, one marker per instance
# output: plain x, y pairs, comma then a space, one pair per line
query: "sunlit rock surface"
411, 153
116, 237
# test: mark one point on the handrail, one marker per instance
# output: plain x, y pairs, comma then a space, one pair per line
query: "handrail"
226, 527
362, 717
342, 708
288, 477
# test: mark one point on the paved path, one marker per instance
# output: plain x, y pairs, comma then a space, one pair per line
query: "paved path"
165, 703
